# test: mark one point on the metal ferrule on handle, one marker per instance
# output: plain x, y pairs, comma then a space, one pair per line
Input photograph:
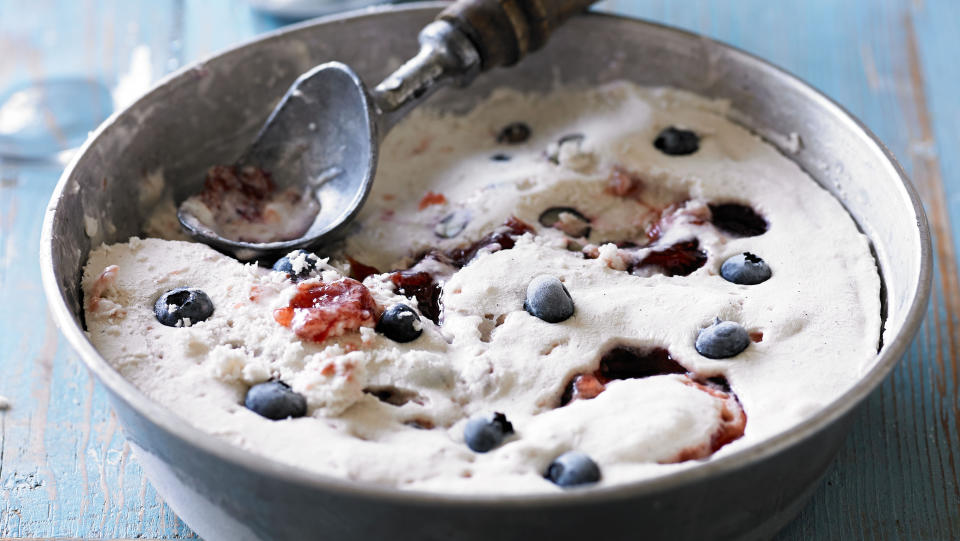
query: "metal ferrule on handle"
504, 31
467, 38
446, 57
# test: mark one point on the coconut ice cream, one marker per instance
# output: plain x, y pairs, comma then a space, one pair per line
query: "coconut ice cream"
582, 288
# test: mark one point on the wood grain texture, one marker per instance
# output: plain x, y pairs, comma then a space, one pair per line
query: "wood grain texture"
66, 471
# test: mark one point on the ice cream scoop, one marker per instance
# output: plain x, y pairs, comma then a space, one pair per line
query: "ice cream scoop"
323, 137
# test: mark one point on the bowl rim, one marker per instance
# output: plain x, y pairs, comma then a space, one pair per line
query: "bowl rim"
173, 425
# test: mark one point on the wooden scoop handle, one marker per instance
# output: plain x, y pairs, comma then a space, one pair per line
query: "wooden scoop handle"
504, 31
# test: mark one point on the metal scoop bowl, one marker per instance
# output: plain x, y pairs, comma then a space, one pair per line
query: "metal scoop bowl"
324, 134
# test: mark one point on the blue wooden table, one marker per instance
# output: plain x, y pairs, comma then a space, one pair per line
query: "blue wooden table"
65, 469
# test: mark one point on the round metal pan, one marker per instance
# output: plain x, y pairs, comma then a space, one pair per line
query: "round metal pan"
206, 113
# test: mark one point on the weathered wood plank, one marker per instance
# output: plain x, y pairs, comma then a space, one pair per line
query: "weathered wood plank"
65, 468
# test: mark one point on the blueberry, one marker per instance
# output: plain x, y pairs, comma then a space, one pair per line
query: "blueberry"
553, 151
548, 299
500, 158
737, 220
722, 340
745, 269
298, 264
400, 324
452, 224
275, 400
677, 142
575, 224
176, 306
514, 133
571, 137
573, 468
484, 433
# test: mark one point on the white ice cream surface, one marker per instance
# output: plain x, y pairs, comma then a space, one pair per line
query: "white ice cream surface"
815, 323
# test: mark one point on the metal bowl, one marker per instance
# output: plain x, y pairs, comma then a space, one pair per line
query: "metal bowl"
205, 114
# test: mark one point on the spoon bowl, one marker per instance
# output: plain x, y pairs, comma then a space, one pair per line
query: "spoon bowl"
322, 136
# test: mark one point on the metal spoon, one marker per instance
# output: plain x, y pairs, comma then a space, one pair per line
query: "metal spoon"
327, 128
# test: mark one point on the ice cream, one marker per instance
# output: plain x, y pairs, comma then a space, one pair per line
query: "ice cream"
622, 273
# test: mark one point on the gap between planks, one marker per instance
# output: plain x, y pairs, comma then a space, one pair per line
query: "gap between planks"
928, 178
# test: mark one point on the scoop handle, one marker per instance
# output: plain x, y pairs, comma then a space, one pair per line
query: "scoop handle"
468, 37
504, 31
